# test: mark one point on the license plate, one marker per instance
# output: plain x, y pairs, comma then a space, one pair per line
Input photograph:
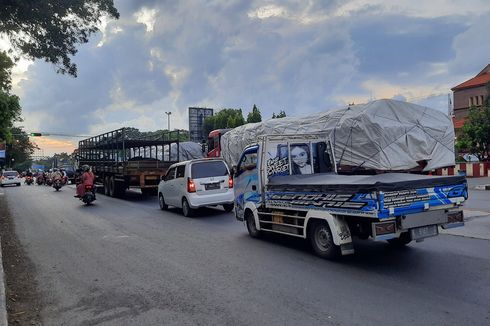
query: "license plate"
424, 232
151, 177
211, 186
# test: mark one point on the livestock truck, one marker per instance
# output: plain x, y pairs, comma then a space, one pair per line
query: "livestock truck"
126, 158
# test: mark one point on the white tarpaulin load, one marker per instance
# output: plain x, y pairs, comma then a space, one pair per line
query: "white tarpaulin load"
187, 151
380, 135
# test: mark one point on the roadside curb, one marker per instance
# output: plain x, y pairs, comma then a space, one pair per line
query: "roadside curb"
3, 306
482, 187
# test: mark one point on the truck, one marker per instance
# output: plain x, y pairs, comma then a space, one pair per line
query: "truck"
126, 158
289, 184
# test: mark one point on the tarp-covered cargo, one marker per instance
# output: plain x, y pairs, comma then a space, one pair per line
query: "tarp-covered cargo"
382, 135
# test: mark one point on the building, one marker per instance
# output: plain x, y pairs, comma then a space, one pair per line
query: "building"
472, 92
196, 123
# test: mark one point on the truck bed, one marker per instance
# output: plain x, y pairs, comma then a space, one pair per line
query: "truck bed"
380, 196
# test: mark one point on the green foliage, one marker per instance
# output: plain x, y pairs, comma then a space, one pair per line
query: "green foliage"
281, 114
254, 116
50, 29
226, 118
20, 149
475, 137
6, 66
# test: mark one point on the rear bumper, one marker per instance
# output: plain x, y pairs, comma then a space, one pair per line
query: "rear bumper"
10, 182
196, 201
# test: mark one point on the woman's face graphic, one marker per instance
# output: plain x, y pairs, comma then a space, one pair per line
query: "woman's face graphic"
299, 156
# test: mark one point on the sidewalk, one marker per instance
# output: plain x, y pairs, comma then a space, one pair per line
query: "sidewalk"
477, 226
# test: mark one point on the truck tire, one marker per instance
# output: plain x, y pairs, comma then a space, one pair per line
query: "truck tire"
321, 240
186, 208
400, 242
228, 207
161, 202
112, 186
251, 227
106, 186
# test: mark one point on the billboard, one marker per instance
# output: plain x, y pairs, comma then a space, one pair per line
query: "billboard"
2, 149
196, 123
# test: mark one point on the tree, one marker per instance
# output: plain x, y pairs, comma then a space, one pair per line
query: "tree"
254, 116
475, 137
226, 118
9, 104
50, 29
20, 149
281, 114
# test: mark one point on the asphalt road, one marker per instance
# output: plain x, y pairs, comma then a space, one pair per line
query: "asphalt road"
125, 262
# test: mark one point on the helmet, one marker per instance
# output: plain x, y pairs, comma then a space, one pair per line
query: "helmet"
85, 168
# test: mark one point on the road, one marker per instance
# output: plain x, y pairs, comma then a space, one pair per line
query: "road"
125, 262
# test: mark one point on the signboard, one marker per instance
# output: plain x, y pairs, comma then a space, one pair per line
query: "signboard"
2, 149
196, 123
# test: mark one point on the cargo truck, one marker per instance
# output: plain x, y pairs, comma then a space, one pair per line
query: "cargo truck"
289, 184
126, 158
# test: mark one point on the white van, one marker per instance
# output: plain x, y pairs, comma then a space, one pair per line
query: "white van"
196, 183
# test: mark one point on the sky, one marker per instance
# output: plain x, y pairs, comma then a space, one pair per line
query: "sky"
298, 56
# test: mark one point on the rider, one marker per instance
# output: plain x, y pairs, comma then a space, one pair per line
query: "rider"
56, 175
87, 179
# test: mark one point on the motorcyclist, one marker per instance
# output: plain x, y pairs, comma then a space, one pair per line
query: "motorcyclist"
56, 175
87, 179
29, 173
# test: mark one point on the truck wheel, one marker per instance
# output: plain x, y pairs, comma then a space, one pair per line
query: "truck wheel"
112, 186
251, 227
228, 207
186, 208
404, 239
161, 201
106, 186
321, 240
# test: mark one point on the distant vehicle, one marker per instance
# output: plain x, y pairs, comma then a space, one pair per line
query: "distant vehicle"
471, 158
10, 178
196, 183
214, 142
70, 172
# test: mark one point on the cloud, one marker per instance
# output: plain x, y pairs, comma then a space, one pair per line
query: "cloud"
296, 56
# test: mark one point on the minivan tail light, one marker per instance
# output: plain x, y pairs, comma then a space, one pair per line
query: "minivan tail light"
230, 182
191, 186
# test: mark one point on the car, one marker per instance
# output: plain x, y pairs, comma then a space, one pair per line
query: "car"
197, 183
10, 178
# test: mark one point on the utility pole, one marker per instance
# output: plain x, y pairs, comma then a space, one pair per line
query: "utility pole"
168, 119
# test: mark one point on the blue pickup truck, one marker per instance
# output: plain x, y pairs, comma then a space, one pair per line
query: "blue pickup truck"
288, 184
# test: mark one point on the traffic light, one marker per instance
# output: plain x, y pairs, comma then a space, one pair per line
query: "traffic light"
35, 134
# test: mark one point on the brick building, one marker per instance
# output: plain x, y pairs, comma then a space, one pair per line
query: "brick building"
472, 92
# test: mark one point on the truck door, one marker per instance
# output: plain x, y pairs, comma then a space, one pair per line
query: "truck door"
246, 181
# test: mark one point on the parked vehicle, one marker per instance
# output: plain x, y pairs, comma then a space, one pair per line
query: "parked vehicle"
126, 158
315, 203
196, 183
10, 178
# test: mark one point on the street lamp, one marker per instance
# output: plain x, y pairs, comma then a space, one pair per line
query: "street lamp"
168, 119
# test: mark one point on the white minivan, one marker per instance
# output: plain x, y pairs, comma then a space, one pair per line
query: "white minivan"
197, 183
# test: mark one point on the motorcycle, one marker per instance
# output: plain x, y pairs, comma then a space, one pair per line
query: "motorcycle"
39, 180
57, 184
89, 194
29, 180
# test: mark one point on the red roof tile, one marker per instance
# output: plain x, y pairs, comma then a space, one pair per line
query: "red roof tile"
458, 123
475, 81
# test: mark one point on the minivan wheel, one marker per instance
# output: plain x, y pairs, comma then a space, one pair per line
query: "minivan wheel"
228, 207
186, 208
321, 240
161, 201
404, 239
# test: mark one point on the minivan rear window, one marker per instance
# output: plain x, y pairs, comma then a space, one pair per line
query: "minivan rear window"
10, 173
208, 169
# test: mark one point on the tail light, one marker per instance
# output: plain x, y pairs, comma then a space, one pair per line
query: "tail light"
88, 187
230, 182
191, 186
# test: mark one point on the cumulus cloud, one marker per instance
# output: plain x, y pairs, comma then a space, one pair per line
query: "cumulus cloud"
296, 56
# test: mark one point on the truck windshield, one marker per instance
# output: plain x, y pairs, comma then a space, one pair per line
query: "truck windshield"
208, 169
